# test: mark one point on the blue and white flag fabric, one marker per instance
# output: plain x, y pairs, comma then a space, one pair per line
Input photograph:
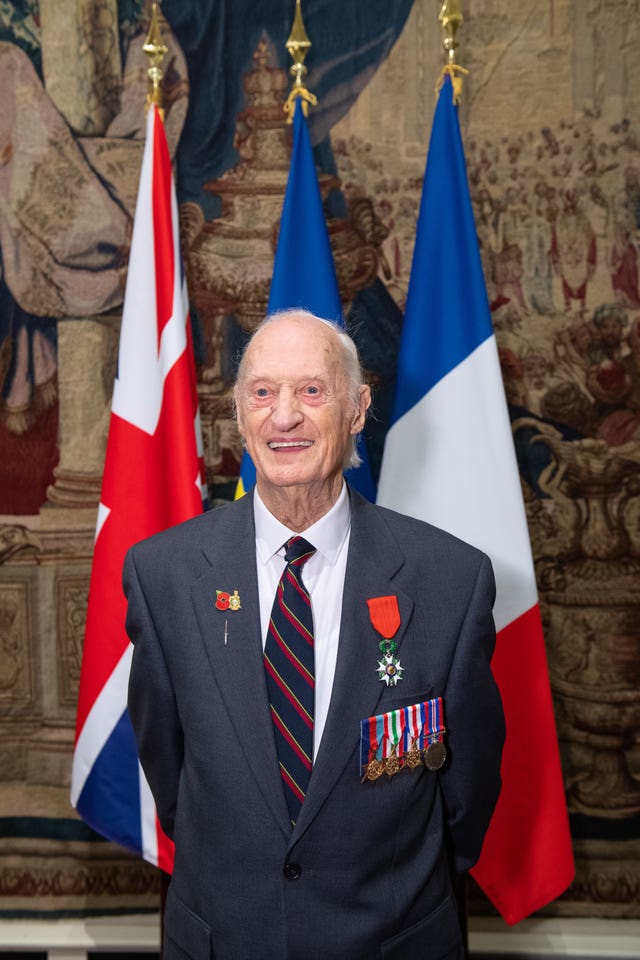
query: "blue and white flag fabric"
449, 459
304, 273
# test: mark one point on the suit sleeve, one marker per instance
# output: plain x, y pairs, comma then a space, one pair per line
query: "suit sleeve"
475, 728
151, 702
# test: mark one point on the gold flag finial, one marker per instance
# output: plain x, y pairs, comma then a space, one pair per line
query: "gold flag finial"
156, 50
451, 17
298, 46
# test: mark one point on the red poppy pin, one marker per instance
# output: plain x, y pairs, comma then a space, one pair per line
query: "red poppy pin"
227, 601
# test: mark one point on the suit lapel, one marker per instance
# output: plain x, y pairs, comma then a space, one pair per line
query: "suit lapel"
374, 558
238, 665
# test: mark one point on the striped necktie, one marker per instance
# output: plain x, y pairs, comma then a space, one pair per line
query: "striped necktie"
288, 660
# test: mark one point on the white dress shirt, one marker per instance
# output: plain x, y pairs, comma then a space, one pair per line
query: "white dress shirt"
323, 576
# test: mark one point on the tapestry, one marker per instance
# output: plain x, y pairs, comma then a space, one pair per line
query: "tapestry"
550, 116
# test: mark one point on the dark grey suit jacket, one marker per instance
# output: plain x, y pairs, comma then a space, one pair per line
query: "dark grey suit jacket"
366, 872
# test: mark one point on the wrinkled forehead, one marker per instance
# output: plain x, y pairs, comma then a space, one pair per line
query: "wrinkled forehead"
297, 347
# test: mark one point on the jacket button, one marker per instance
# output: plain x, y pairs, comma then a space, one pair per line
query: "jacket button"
292, 871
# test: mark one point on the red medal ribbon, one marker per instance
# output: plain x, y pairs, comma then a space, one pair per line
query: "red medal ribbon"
385, 615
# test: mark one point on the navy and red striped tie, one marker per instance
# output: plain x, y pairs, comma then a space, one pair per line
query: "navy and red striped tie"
289, 665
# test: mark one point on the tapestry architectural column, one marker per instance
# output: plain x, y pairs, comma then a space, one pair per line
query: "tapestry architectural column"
81, 61
87, 353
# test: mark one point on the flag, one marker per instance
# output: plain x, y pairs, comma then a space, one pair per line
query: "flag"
153, 478
449, 459
304, 274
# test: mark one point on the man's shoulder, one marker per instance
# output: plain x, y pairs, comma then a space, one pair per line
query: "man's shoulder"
417, 534
219, 522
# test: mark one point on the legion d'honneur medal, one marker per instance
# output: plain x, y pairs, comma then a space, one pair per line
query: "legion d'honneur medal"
385, 618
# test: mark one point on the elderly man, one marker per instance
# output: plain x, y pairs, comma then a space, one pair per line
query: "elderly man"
311, 690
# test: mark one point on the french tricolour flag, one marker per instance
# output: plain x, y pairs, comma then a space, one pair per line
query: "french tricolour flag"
153, 478
449, 459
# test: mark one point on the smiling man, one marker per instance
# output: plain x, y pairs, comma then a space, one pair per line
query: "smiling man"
300, 403
311, 689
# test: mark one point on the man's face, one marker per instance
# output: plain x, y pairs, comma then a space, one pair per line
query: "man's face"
294, 409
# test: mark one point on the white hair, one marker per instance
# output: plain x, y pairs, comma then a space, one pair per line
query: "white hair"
350, 362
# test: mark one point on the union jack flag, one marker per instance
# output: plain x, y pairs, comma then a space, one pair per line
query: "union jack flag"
153, 478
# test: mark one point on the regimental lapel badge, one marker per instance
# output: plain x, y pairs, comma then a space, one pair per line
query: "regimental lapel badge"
402, 740
227, 601
384, 614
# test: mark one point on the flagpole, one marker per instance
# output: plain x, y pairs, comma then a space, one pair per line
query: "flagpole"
451, 18
156, 50
298, 46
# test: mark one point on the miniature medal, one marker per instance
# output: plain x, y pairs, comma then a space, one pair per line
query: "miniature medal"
391, 764
375, 769
434, 756
413, 757
406, 738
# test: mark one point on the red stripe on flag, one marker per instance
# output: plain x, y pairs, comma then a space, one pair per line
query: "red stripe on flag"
166, 849
149, 484
162, 227
526, 859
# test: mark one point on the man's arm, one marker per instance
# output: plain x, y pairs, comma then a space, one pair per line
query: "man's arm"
475, 728
152, 705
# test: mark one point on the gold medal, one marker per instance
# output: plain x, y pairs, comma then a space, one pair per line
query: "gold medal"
413, 757
391, 765
392, 762
375, 769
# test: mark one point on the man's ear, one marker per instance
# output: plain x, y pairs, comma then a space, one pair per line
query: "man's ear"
360, 414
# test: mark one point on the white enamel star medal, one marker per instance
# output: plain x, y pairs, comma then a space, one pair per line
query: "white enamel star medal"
390, 670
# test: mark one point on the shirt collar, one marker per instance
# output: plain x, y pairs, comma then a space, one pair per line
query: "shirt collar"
327, 534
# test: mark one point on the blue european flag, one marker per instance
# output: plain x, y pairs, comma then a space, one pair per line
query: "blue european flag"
304, 274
